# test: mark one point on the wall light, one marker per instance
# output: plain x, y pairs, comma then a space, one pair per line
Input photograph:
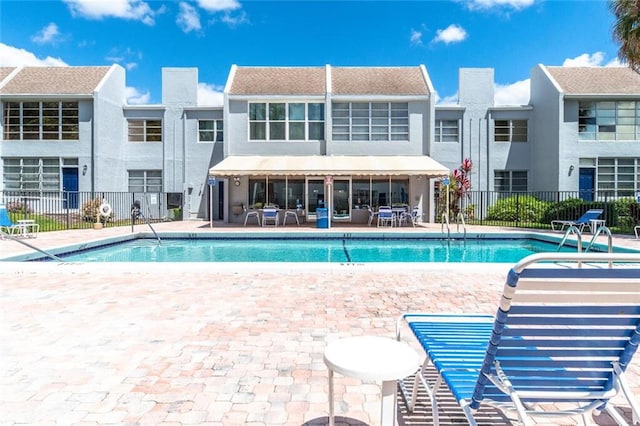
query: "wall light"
84, 170
236, 181
571, 169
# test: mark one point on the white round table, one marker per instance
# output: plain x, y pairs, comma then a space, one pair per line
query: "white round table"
372, 358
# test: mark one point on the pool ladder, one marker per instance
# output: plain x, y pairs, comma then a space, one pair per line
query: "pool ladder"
574, 230
459, 218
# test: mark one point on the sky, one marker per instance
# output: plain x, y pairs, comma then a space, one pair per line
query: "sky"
510, 36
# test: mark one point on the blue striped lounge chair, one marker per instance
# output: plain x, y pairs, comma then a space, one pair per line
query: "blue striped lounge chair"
565, 331
580, 223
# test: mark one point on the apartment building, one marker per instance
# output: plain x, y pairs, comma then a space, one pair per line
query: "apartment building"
342, 137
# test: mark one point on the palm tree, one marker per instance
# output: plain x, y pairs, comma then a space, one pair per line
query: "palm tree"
626, 30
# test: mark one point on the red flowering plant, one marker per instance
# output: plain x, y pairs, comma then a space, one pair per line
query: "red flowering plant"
458, 188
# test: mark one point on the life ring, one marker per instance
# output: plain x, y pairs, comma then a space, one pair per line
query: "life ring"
105, 210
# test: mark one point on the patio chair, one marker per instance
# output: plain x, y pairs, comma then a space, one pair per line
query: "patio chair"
558, 346
6, 224
290, 213
386, 217
580, 223
270, 214
372, 215
253, 214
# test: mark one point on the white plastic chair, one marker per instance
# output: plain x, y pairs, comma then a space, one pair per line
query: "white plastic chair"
252, 213
290, 213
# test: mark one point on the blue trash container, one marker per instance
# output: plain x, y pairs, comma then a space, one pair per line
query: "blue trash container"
322, 218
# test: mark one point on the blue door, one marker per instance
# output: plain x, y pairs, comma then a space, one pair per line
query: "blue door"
70, 188
586, 184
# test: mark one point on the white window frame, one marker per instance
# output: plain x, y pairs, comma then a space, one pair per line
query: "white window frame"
439, 135
65, 127
619, 176
365, 122
144, 127
287, 121
512, 126
217, 133
145, 183
605, 121
508, 176
31, 174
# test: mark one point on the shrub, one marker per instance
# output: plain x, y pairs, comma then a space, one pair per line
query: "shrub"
18, 207
523, 208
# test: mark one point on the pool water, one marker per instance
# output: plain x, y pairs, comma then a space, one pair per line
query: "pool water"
336, 250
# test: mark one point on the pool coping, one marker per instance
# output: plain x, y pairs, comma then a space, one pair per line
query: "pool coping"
18, 262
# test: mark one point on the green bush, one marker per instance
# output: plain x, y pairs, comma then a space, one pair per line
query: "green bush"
522, 208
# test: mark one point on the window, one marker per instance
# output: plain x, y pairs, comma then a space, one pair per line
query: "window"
510, 181
510, 130
35, 120
282, 121
285, 193
620, 176
210, 130
141, 130
145, 180
609, 121
370, 121
31, 174
446, 131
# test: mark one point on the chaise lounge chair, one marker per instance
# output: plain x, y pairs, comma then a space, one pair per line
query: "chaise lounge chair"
7, 226
558, 346
580, 223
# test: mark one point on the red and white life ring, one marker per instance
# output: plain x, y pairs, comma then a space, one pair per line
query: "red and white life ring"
105, 210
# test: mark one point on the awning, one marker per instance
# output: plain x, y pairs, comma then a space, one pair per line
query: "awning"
330, 165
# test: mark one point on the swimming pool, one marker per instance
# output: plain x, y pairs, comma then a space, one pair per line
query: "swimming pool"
350, 249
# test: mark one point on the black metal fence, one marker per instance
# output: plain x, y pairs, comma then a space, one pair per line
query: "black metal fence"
63, 210
538, 209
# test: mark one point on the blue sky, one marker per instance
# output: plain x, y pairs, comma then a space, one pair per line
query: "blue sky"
510, 36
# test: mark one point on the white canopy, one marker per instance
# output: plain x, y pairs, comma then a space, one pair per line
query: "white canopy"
330, 165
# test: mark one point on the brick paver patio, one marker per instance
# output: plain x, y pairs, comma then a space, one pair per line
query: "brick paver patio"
181, 344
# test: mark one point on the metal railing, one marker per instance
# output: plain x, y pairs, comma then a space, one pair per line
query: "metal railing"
61, 210
621, 210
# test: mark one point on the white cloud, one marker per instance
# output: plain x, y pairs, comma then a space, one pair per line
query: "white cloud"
452, 34
137, 10
491, 4
49, 34
512, 94
236, 20
591, 60
218, 5
14, 57
416, 37
135, 97
210, 95
447, 100
188, 19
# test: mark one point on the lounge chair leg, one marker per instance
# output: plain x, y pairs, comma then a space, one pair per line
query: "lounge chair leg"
635, 407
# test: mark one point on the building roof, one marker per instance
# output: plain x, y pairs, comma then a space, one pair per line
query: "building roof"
596, 80
55, 81
378, 81
5, 71
279, 81
392, 81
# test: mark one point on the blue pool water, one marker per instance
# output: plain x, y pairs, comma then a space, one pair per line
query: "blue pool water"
336, 250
